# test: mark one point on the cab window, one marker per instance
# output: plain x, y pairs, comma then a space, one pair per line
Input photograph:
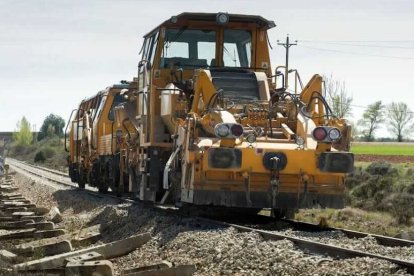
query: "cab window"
237, 50
149, 48
188, 48
117, 100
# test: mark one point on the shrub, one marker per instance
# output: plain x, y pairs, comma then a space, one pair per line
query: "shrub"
39, 157
401, 206
381, 168
17, 149
410, 172
48, 152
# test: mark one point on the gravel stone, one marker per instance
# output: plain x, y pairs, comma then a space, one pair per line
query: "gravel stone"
214, 250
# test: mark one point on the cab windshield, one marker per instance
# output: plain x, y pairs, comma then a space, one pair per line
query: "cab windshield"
237, 50
189, 48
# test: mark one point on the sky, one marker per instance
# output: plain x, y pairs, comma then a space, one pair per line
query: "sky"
55, 53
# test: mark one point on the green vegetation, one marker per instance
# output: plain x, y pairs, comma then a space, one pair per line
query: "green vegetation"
400, 119
381, 223
383, 187
371, 120
23, 135
383, 148
397, 117
49, 152
380, 197
52, 126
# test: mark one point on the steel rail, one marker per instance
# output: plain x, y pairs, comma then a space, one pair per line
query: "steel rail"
382, 240
303, 244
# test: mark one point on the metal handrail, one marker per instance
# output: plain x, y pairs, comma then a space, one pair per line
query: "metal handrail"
67, 125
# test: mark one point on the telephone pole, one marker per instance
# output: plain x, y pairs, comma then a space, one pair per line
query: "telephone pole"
287, 45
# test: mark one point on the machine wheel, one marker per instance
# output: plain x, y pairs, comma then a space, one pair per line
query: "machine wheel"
103, 189
135, 180
73, 174
94, 175
103, 185
81, 179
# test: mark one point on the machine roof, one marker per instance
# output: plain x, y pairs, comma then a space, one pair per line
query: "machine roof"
262, 22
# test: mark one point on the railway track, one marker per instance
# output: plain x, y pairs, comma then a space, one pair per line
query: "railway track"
307, 245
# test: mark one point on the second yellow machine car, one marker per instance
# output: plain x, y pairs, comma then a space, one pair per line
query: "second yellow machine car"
94, 154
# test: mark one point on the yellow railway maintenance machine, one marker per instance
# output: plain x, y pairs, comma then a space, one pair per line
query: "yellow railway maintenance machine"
212, 128
94, 152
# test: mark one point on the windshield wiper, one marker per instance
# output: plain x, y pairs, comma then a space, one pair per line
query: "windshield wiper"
177, 36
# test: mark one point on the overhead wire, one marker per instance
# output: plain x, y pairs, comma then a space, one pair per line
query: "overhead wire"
360, 45
347, 43
365, 107
356, 53
359, 41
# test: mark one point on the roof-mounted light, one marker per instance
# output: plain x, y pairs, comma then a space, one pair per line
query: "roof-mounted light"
174, 19
271, 24
222, 18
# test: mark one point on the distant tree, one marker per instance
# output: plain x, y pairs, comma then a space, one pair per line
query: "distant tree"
355, 131
400, 119
338, 97
23, 134
52, 125
371, 120
51, 130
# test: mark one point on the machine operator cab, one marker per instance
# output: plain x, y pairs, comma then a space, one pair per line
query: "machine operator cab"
230, 47
200, 40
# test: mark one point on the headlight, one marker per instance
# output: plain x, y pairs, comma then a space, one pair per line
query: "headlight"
174, 19
237, 130
326, 134
251, 138
228, 130
299, 141
222, 130
222, 18
334, 134
319, 133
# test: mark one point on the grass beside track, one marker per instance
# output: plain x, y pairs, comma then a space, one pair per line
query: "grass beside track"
380, 223
383, 148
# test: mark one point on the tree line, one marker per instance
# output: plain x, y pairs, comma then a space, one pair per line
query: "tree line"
397, 116
52, 126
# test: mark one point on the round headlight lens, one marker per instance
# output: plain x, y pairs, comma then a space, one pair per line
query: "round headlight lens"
237, 130
319, 133
222, 130
251, 138
299, 141
334, 134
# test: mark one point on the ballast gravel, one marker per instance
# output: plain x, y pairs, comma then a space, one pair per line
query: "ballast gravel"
366, 244
214, 250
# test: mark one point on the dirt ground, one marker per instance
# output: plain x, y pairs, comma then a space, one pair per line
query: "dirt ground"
388, 158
